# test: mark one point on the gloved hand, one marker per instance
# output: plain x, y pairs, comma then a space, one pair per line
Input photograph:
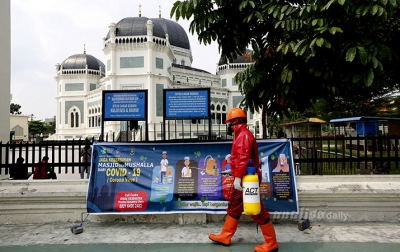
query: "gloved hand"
226, 172
236, 184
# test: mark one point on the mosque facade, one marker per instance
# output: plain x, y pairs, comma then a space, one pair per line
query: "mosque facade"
142, 53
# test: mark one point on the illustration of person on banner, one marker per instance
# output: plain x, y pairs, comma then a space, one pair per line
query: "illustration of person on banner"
163, 167
244, 148
186, 171
227, 170
282, 164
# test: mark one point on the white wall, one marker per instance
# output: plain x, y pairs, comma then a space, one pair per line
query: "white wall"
22, 121
5, 72
5, 69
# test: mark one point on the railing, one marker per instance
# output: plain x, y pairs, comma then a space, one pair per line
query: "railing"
347, 155
176, 130
336, 155
64, 156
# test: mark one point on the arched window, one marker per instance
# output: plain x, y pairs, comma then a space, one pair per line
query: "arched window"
212, 114
223, 113
218, 114
183, 62
72, 119
74, 114
76, 119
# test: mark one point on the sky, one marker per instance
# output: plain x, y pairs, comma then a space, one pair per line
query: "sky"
44, 33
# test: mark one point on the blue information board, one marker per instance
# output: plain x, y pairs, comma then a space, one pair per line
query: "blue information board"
187, 103
124, 105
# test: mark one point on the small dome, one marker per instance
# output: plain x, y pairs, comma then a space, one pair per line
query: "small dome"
137, 26
79, 61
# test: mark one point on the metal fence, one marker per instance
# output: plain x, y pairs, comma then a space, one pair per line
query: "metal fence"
347, 155
64, 156
174, 130
312, 155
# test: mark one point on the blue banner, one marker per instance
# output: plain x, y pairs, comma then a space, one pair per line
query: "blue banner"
160, 178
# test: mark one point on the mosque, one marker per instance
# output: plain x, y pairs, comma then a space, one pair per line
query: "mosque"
150, 54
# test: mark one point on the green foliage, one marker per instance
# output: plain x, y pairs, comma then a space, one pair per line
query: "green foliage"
14, 109
342, 44
358, 104
36, 127
51, 127
337, 50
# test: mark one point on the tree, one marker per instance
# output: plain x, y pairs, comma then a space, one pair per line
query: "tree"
51, 127
36, 127
235, 24
346, 47
14, 109
303, 50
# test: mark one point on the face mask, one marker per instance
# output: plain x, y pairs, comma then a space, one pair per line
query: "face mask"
229, 130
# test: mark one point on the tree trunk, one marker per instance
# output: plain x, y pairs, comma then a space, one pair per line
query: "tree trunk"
264, 119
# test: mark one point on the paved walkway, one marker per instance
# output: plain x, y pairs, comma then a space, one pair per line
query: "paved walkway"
242, 247
118, 236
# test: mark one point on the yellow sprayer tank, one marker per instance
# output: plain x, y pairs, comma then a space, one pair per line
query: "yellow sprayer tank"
251, 192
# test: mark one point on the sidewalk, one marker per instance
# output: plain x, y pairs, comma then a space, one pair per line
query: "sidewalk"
118, 236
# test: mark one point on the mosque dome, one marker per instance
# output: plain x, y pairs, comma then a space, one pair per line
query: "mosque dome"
137, 26
79, 61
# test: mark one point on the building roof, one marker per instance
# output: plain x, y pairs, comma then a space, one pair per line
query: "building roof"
364, 118
176, 34
79, 61
244, 58
311, 120
189, 68
137, 26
